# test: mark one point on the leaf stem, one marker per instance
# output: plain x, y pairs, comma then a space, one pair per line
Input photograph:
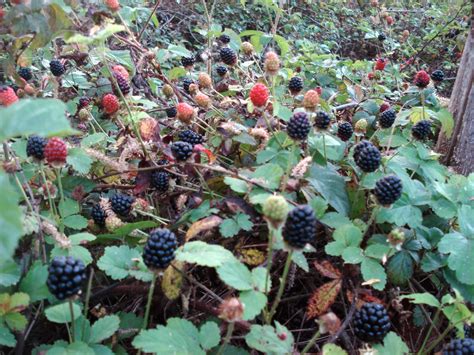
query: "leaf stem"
73, 326
311, 342
281, 288
60, 185
150, 297
228, 334
88, 296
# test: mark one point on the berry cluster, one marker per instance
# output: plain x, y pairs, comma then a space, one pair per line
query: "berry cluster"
459, 347
98, 215
371, 322
388, 189
181, 150
421, 130
65, 277
345, 131
35, 147
387, 118
160, 180
55, 151
56, 67
367, 156
298, 126
295, 85
159, 249
122, 204
300, 227
191, 137
228, 56
322, 120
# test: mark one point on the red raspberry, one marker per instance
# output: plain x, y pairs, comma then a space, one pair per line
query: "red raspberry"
380, 64
7, 96
422, 79
384, 107
259, 94
55, 152
185, 112
110, 103
113, 5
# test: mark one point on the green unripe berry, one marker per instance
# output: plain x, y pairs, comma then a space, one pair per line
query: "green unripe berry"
275, 208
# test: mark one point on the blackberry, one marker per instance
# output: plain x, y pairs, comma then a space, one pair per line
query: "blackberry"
367, 156
460, 346
421, 130
84, 101
228, 56
25, 73
163, 161
35, 147
344, 131
66, 275
300, 226
322, 120
122, 204
221, 70
224, 38
298, 126
98, 215
187, 61
186, 83
388, 189
387, 118
295, 85
160, 248
191, 137
371, 322
171, 112
181, 150
468, 331
122, 84
160, 180
56, 67
437, 75
381, 37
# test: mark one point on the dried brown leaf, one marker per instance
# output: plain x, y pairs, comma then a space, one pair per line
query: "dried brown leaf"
203, 225
323, 298
328, 270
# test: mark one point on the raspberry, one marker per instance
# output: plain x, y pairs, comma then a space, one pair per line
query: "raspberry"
460, 346
344, 131
371, 322
186, 83
185, 112
66, 275
224, 38
202, 100
437, 75
171, 112
55, 152
112, 5
181, 150
122, 204
367, 156
259, 95
122, 84
110, 103
381, 37
422, 79
25, 73
300, 227
388, 189
421, 130
7, 96
168, 90
272, 63
205, 81
298, 126
380, 64
387, 118
322, 120
295, 85
221, 70
187, 62
98, 215
228, 56
121, 70
385, 106
191, 137
35, 147
83, 102
56, 67
311, 100
247, 47
160, 180
275, 208
160, 248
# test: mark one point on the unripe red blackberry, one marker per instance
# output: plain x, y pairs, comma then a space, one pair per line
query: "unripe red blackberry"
311, 100
224, 38
55, 152
388, 190
122, 204
271, 63
25, 73
205, 81
160, 180
259, 94
171, 112
83, 102
437, 75
421, 130
122, 84
98, 215
387, 118
187, 62
322, 120
371, 323
191, 137
298, 126
300, 227
66, 276
35, 147
181, 150
247, 48
110, 103
221, 70
202, 100
56, 67
422, 79
159, 250
380, 64
295, 85
185, 112
345, 131
367, 156
460, 347
7, 96
228, 56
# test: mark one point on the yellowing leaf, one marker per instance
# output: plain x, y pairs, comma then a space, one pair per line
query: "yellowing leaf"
323, 298
172, 281
203, 225
252, 257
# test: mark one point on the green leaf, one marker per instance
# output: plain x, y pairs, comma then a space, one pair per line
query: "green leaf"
372, 270
34, 283
98, 37
447, 121
266, 339
332, 349
75, 222
44, 117
465, 220
104, 328
76, 251
79, 160
244, 222
237, 185
235, 274
6, 337
93, 139
68, 207
10, 273
10, 217
400, 268
253, 302
259, 275
209, 335
344, 236
15, 321
422, 298
179, 50
120, 263
128, 228
269, 175
60, 313
204, 254
352, 255
76, 348
392, 345
229, 228
460, 250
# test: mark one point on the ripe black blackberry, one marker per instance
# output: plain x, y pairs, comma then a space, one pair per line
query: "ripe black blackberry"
345, 131
56, 67
163, 161
371, 322
367, 156
295, 85
221, 70
122, 84
122, 204
98, 215
25, 73
224, 38
298, 126
300, 226
228, 56
160, 248
35, 147
381, 37
186, 83
460, 346
388, 189
421, 130
171, 112
322, 120
191, 137
187, 61
387, 118
160, 180
437, 75
66, 275
181, 150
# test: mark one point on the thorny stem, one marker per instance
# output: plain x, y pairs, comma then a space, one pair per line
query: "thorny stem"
228, 334
311, 342
148, 20
88, 296
73, 326
52, 206
150, 297
271, 235
60, 184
